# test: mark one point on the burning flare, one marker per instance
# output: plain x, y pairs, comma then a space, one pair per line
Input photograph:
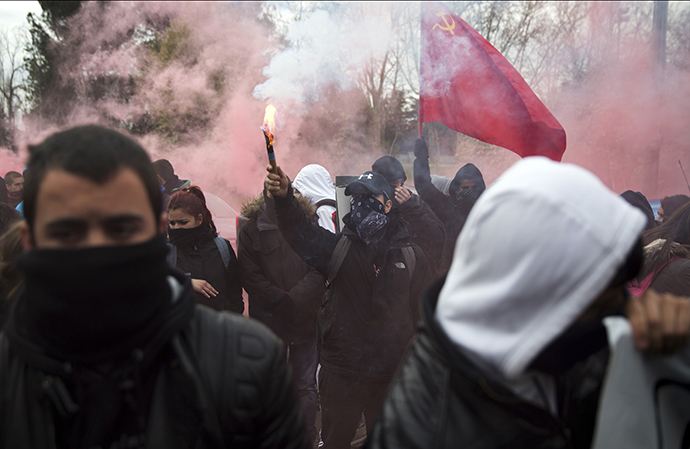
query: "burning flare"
269, 126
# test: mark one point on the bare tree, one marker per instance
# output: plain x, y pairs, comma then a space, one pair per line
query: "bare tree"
11, 79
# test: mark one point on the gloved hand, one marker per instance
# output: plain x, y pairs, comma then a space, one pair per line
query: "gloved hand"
420, 149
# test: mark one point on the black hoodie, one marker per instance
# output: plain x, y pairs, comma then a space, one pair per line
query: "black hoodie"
451, 209
371, 310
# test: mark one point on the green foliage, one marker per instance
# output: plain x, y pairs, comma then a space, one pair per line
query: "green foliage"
174, 44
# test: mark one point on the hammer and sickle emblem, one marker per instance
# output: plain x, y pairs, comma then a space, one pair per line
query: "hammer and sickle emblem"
449, 26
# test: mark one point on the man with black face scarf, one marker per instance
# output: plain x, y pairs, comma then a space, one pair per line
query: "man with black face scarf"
374, 275
451, 209
513, 350
105, 346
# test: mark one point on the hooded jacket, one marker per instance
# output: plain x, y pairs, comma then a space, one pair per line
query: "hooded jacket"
425, 228
371, 307
452, 214
638, 200
210, 381
315, 183
284, 292
675, 276
537, 249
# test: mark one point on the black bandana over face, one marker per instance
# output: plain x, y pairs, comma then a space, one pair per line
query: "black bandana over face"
465, 198
369, 217
91, 302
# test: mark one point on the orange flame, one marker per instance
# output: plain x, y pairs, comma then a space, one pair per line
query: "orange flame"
269, 126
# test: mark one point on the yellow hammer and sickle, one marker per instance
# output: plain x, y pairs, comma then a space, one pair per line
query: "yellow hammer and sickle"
449, 26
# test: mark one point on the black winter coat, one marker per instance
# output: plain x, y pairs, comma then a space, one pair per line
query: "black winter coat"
222, 381
439, 399
426, 230
453, 217
202, 260
367, 320
284, 292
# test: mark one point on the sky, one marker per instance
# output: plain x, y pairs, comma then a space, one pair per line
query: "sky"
13, 14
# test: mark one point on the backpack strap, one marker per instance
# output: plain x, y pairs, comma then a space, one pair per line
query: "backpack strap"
341, 249
636, 288
410, 259
172, 255
224, 251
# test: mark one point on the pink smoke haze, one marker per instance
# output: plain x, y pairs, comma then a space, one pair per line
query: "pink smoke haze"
613, 119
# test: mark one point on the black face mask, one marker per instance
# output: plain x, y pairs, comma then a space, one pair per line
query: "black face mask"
82, 303
369, 218
465, 198
187, 236
576, 344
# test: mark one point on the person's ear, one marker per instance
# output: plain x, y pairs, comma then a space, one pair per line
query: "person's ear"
27, 238
200, 218
387, 206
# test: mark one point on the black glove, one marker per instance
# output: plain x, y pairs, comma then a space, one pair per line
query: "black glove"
420, 149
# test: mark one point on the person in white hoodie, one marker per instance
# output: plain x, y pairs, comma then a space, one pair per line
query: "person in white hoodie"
314, 182
513, 352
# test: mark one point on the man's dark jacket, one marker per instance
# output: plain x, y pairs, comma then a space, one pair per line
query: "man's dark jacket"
439, 399
222, 381
426, 230
201, 259
367, 319
284, 292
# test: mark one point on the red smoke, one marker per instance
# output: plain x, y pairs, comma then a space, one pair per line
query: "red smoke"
614, 117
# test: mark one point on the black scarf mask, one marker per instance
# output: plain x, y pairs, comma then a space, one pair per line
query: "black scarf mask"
187, 236
369, 218
93, 304
464, 199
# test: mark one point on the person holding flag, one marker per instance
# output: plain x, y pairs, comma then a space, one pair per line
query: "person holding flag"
451, 209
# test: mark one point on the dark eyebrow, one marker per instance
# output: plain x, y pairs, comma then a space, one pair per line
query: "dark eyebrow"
123, 219
66, 223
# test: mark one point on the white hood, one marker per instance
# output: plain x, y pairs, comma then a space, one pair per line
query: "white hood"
315, 183
538, 247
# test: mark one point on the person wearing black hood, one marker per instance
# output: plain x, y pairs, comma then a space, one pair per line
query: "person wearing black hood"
425, 228
374, 277
105, 347
169, 181
638, 200
451, 209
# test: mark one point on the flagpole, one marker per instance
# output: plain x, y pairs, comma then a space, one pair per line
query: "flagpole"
421, 62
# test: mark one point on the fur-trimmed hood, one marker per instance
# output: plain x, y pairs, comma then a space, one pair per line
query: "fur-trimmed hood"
657, 252
250, 209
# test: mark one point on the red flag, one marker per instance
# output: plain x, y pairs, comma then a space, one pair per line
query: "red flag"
467, 85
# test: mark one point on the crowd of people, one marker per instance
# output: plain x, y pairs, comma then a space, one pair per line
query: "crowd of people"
449, 314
